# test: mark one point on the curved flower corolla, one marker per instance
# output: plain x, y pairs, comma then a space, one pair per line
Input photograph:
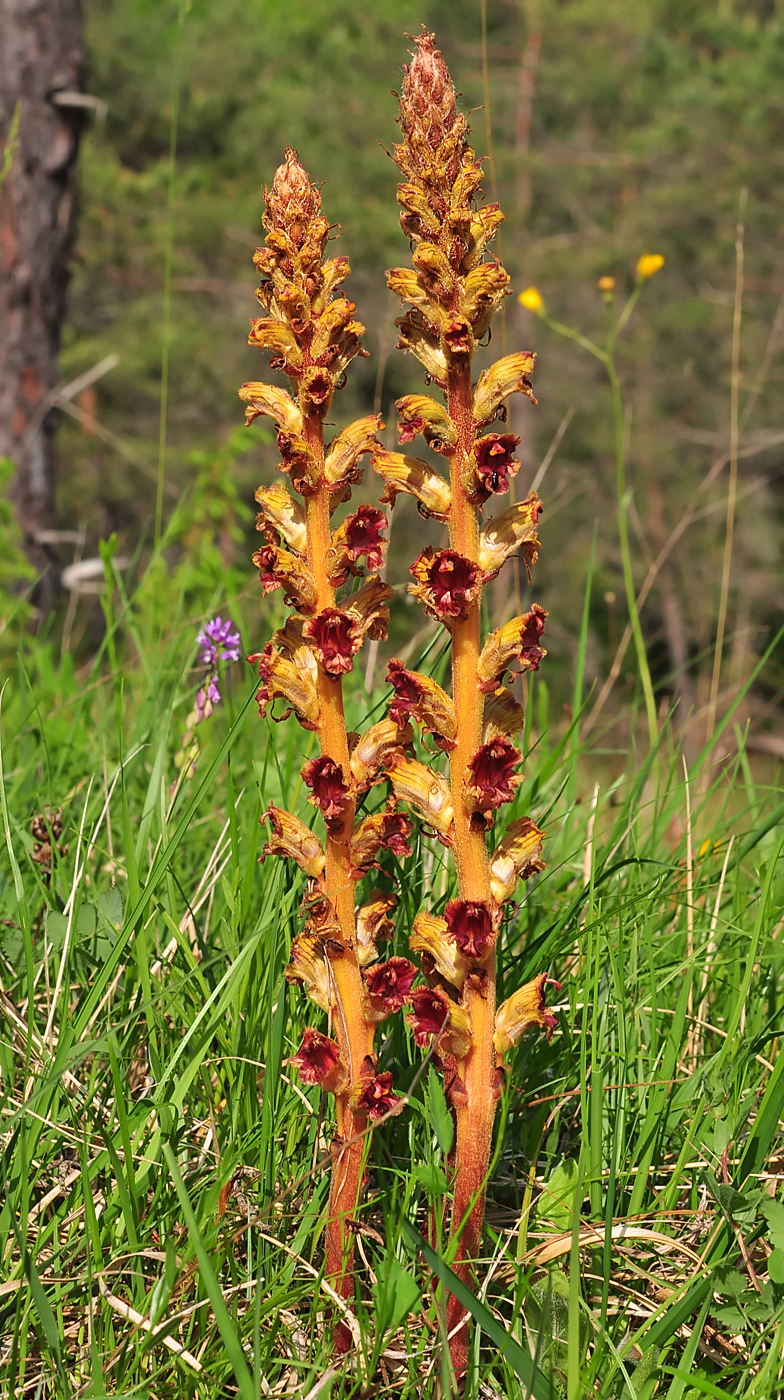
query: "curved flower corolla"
517, 641
525, 1007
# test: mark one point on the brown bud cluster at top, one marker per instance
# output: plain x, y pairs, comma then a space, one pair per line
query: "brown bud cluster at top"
433, 127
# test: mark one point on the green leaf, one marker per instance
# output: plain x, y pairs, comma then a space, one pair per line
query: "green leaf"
728, 1281
776, 1266
440, 1117
721, 1136
774, 1214
556, 1203
110, 904
210, 1284
86, 920
396, 1294
431, 1178
730, 1317
56, 925
521, 1363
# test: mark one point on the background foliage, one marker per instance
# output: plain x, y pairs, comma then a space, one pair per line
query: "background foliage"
646, 122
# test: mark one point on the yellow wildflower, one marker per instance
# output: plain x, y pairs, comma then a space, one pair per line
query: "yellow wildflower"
648, 265
532, 300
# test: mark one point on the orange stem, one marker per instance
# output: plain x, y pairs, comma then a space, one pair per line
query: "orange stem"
474, 1117
354, 1035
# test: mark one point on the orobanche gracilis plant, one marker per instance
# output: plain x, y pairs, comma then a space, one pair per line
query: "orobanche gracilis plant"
453, 291
310, 330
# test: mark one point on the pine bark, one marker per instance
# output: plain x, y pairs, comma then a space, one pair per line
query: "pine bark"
41, 58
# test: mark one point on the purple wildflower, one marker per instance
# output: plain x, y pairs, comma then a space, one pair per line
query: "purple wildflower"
218, 642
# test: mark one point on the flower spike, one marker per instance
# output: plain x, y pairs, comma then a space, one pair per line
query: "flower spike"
451, 293
310, 331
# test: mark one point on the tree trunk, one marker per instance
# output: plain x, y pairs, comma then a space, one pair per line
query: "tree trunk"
41, 55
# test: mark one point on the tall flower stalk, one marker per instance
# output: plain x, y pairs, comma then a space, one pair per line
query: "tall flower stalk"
453, 290
309, 329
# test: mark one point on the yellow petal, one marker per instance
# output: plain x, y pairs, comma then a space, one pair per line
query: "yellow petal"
511, 375
648, 265
415, 478
517, 857
532, 300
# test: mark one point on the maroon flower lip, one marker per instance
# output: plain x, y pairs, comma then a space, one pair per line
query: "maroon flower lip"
408, 692
336, 639
446, 582
430, 1014
530, 652
389, 984
491, 779
495, 461
470, 923
376, 1097
363, 535
328, 788
318, 1061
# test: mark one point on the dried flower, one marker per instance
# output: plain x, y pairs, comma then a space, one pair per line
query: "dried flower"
388, 831
336, 639
360, 534
279, 568
421, 698
373, 924
470, 924
493, 464
375, 1097
434, 1014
